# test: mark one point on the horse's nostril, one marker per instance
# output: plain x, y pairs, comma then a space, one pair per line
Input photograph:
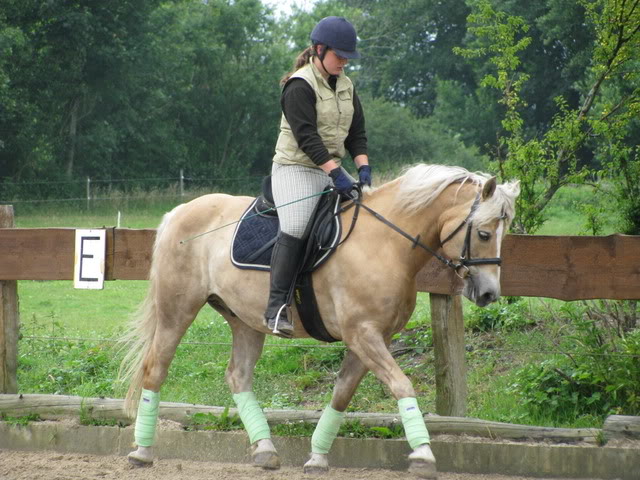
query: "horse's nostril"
486, 298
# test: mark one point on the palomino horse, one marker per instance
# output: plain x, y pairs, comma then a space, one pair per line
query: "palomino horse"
366, 293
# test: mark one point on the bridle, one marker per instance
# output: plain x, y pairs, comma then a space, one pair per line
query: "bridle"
465, 255
464, 261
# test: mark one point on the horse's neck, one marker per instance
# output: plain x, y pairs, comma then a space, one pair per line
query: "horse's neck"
424, 223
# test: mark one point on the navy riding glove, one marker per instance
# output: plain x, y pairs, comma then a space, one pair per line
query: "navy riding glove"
340, 180
365, 175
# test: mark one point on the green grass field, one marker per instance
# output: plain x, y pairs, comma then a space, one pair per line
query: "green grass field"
67, 340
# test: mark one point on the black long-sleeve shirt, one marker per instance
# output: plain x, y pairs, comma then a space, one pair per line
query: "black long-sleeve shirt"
298, 103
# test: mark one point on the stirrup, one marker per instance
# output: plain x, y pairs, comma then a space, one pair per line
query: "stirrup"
286, 331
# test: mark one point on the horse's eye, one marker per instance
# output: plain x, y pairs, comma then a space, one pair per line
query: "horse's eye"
484, 236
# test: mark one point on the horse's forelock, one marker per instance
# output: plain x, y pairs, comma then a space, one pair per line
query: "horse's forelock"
501, 204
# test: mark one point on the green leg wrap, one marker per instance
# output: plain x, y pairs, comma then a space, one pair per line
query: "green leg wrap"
253, 419
147, 418
413, 422
326, 430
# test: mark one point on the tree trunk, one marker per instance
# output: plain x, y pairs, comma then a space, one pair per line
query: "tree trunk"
73, 130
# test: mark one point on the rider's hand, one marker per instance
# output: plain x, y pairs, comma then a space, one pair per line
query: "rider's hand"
343, 184
364, 173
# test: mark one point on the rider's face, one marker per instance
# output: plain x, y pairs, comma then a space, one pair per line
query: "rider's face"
333, 63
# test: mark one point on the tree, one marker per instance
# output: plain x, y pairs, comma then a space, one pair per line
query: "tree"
546, 163
137, 88
406, 48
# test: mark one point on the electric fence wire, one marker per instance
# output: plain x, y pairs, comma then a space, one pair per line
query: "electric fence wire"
343, 347
120, 195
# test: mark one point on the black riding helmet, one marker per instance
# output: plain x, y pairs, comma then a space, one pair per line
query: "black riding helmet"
337, 34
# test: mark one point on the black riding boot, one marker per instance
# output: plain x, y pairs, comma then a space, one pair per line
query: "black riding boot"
284, 264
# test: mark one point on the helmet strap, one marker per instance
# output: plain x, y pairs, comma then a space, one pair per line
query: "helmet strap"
323, 52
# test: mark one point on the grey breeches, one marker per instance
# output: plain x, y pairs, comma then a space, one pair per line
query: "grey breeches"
293, 182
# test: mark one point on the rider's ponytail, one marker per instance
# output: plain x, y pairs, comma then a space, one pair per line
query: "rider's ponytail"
300, 62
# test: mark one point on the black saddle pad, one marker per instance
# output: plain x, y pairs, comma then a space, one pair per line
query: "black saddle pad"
254, 238
256, 234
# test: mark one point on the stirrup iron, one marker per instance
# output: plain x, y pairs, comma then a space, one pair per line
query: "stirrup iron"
275, 327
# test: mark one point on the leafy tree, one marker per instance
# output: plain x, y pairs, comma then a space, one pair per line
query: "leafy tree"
397, 138
407, 46
137, 88
549, 162
70, 66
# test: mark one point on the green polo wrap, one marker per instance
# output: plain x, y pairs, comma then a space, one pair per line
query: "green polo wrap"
253, 419
413, 422
147, 418
326, 430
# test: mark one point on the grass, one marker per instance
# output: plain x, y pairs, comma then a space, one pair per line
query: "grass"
300, 376
566, 214
22, 420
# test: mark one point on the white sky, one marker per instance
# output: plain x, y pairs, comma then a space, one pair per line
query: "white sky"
283, 7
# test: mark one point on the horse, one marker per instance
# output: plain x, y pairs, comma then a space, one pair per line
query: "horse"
365, 293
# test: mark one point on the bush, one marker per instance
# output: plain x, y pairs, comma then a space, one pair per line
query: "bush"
508, 314
597, 377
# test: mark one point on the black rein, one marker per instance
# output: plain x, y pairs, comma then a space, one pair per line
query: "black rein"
465, 256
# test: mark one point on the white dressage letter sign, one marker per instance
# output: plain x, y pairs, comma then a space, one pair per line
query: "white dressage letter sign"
88, 268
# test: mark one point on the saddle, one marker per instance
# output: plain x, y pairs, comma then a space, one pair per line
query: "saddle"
256, 234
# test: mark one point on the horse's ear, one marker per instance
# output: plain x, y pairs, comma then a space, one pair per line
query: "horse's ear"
489, 188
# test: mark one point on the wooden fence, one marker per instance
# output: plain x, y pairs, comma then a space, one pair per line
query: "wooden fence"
561, 267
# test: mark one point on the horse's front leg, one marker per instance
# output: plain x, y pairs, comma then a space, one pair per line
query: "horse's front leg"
351, 373
371, 348
247, 348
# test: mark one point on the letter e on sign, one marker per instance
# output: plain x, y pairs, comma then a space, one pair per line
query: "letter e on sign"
88, 267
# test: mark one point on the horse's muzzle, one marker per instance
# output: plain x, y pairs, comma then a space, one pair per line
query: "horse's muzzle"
481, 290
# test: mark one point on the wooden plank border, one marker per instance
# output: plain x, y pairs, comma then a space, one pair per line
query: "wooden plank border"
564, 267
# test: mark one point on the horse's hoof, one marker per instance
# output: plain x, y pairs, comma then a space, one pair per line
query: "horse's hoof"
268, 460
421, 469
316, 465
264, 455
315, 469
423, 463
138, 462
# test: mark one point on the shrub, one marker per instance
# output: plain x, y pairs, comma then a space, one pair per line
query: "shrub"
597, 377
509, 314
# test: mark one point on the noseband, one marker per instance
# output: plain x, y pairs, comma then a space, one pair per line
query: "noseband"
464, 261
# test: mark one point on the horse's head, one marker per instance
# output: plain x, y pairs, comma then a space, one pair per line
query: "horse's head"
473, 238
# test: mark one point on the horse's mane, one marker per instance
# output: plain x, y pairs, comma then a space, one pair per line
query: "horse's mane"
421, 184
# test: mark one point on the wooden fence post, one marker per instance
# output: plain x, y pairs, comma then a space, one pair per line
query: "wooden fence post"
448, 340
8, 320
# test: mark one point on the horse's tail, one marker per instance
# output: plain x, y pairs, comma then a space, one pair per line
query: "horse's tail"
137, 340
139, 336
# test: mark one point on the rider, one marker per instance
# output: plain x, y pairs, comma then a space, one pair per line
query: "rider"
322, 119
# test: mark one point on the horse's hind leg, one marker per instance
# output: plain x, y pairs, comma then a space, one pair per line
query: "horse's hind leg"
351, 374
247, 348
173, 319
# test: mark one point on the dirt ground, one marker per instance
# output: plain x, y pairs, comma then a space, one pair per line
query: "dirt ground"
16, 465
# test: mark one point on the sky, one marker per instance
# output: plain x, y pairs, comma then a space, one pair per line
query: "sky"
284, 7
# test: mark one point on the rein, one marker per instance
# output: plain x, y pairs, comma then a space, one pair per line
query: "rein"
465, 259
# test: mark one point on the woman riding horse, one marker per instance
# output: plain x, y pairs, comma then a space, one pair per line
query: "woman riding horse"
432, 210
321, 119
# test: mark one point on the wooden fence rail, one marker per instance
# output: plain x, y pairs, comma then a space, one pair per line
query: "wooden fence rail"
561, 267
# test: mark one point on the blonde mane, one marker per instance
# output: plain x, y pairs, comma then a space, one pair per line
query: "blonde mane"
421, 184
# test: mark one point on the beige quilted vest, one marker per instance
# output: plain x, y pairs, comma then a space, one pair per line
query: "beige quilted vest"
335, 113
